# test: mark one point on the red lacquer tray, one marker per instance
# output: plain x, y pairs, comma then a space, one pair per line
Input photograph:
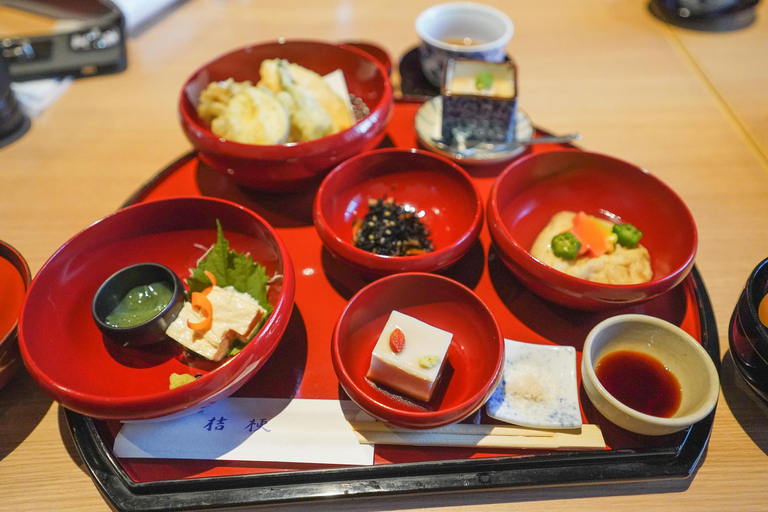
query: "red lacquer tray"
301, 367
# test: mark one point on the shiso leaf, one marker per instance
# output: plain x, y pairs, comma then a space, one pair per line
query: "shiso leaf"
231, 268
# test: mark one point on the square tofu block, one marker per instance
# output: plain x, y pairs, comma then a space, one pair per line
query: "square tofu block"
235, 315
479, 100
415, 369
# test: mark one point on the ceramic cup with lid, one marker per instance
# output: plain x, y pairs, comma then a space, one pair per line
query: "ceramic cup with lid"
463, 30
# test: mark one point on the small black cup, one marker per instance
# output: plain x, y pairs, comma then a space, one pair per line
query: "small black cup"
117, 286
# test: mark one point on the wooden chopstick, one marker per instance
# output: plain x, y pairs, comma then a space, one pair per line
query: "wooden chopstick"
458, 428
588, 437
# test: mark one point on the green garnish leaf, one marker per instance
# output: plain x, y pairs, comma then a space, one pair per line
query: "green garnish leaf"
483, 80
231, 268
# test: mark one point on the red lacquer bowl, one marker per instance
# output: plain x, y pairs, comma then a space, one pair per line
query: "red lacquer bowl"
14, 280
528, 192
475, 356
452, 206
289, 166
89, 373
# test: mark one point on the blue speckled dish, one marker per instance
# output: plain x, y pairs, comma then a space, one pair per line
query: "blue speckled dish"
538, 388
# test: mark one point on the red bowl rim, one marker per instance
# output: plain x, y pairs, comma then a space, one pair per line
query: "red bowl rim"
284, 301
523, 257
382, 263
9, 253
241, 150
425, 419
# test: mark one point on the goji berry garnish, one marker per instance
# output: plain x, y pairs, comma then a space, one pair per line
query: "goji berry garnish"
397, 340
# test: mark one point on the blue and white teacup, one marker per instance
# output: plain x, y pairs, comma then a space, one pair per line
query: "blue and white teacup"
461, 30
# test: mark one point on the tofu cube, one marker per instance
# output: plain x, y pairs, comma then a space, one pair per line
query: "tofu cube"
235, 316
480, 114
409, 370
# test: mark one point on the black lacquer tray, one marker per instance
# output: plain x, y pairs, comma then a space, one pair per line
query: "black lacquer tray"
161, 484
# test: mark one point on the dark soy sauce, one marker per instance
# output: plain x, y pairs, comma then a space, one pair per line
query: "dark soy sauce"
640, 381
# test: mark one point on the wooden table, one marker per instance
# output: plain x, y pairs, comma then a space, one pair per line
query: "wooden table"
689, 106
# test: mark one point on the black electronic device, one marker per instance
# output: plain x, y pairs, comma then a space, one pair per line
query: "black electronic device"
95, 44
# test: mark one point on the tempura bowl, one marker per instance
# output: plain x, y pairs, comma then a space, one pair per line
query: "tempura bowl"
289, 166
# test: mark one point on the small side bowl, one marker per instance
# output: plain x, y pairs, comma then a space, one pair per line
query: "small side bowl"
475, 356
117, 286
452, 206
678, 351
11, 301
532, 189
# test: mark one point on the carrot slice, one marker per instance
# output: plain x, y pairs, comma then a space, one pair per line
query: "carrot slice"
202, 305
213, 282
594, 239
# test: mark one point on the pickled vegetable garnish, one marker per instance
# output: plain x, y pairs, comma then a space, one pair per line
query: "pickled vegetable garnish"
596, 239
428, 361
391, 229
203, 307
629, 235
483, 81
566, 246
397, 340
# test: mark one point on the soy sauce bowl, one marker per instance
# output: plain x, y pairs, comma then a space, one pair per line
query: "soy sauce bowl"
117, 286
674, 348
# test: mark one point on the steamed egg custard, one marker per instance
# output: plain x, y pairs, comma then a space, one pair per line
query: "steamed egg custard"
594, 249
290, 103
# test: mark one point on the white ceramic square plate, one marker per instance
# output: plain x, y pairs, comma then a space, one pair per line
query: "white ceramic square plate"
538, 387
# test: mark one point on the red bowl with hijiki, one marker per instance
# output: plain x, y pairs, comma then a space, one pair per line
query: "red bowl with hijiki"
425, 193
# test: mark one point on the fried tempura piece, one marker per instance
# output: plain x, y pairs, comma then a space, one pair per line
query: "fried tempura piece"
214, 98
341, 117
270, 78
331, 102
309, 120
289, 104
252, 116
